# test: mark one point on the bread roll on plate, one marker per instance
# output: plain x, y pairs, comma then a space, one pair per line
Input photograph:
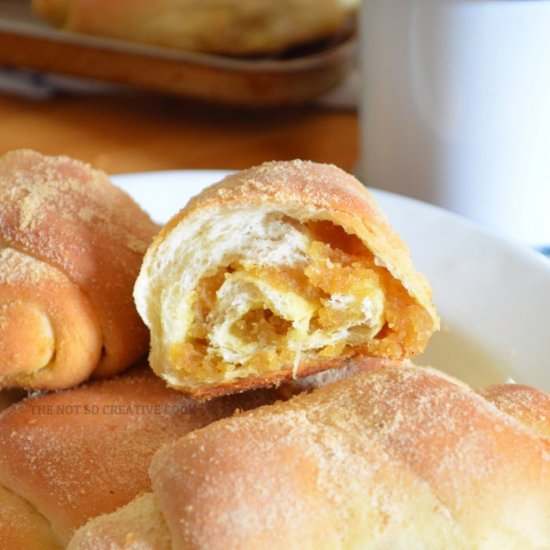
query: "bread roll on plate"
228, 27
73, 455
278, 271
395, 457
71, 245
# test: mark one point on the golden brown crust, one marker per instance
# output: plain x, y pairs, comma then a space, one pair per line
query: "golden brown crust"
22, 527
76, 242
528, 405
315, 374
84, 452
140, 524
306, 192
49, 335
380, 459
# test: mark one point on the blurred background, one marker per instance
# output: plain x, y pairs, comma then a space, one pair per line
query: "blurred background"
137, 86
446, 101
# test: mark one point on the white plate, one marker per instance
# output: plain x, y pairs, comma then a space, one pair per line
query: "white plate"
493, 296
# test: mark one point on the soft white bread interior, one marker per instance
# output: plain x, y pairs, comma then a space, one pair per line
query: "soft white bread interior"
230, 27
71, 245
76, 454
140, 525
278, 271
396, 456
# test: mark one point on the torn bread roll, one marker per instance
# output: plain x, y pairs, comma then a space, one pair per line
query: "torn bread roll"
79, 453
527, 404
71, 245
395, 457
227, 27
278, 271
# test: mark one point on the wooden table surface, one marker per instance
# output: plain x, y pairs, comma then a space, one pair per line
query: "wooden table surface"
126, 131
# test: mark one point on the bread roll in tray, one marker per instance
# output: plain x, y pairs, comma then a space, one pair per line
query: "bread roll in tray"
226, 27
278, 271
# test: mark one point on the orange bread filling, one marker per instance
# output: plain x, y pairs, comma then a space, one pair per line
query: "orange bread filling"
339, 281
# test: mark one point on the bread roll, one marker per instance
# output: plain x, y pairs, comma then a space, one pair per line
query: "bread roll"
137, 526
278, 271
79, 453
230, 27
527, 404
394, 457
71, 244
22, 527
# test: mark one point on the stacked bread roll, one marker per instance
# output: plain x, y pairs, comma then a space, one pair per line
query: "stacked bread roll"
69, 456
285, 280
71, 245
395, 457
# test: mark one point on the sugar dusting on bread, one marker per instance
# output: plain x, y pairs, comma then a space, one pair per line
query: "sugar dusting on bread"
384, 455
41, 184
70, 217
16, 267
54, 447
528, 405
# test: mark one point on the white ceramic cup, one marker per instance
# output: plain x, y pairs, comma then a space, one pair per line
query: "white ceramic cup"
455, 107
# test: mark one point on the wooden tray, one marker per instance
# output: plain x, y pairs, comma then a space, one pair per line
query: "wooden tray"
27, 42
